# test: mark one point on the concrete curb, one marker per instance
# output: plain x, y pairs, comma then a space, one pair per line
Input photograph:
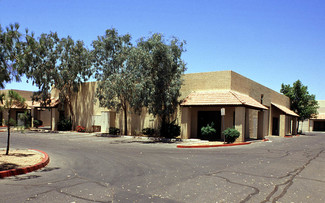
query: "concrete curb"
207, 146
18, 171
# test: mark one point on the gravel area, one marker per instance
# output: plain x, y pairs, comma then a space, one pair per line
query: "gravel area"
19, 158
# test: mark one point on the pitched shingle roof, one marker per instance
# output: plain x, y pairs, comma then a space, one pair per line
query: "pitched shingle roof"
285, 110
220, 98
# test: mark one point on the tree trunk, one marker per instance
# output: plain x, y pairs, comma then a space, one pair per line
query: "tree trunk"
125, 120
8, 138
72, 115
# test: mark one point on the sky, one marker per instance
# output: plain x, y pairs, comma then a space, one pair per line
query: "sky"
271, 42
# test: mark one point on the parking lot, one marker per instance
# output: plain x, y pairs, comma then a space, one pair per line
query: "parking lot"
86, 168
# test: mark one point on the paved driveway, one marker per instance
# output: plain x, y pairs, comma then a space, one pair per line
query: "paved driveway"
84, 168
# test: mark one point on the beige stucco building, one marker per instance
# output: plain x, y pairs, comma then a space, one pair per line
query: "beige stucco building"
34, 110
317, 122
253, 109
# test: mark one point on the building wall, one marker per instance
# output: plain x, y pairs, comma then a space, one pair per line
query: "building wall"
228, 118
13, 114
205, 81
321, 109
86, 108
253, 89
25, 94
232, 81
308, 124
45, 116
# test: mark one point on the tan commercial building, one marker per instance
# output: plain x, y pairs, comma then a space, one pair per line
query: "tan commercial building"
34, 111
317, 122
253, 109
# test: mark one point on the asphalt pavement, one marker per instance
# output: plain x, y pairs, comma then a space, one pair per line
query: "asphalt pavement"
85, 168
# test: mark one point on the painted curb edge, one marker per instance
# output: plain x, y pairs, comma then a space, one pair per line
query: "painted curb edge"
206, 146
19, 171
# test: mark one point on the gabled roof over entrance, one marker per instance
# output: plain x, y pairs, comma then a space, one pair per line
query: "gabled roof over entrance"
285, 110
221, 98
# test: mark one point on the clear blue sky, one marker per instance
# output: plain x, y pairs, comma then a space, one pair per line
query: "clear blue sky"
270, 42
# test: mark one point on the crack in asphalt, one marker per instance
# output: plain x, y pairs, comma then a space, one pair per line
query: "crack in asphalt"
286, 153
83, 198
289, 182
60, 190
249, 196
321, 181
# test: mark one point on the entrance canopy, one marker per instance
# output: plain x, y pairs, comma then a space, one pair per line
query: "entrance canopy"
285, 110
221, 98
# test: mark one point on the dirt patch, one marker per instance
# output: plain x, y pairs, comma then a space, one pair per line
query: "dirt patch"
19, 158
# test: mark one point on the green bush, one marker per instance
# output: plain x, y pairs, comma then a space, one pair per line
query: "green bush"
64, 125
208, 132
231, 135
37, 123
148, 131
114, 131
170, 130
11, 122
26, 118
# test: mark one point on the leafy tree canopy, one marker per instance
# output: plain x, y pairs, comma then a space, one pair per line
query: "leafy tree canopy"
301, 102
118, 74
53, 62
163, 68
10, 49
148, 75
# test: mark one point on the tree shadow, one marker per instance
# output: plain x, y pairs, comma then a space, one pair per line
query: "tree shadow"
8, 166
20, 155
25, 177
47, 169
154, 141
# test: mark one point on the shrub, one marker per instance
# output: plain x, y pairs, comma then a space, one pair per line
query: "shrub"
114, 131
79, 128
170, 130
11, 122
231, 134
64, 125
148, 131
208, 132
26, 118
37, 123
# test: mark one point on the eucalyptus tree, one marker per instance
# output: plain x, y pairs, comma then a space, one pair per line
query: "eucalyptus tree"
10, 50
163, 72
41, 59
301, 101
73, 70
55, 63
117, 72
12, 99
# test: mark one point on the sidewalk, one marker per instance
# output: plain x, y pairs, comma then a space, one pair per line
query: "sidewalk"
210, 144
